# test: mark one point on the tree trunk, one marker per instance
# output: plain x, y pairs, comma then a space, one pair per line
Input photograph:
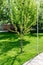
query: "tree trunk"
21, 43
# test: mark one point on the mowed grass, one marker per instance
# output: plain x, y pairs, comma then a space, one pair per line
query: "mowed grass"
10, 48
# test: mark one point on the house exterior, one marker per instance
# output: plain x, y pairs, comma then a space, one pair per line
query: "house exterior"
6, 27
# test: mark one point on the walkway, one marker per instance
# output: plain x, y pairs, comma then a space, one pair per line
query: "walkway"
3, 31
38, 60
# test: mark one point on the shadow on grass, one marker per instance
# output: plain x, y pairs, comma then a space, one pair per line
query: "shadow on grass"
8, 35
32, 34
6, 46
35, 34
12, 60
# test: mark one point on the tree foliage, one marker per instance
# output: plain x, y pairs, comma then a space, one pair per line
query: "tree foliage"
41, 12
41, 15
22, 14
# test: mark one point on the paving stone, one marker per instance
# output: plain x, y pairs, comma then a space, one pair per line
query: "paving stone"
38, 60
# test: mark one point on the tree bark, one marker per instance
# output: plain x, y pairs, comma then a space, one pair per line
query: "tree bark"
21, 43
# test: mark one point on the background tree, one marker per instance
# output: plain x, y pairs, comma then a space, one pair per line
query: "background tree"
4, 12
41, 15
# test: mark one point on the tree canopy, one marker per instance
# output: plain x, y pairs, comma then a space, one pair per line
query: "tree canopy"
22, 13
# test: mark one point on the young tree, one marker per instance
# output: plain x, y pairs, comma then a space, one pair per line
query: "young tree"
23, 16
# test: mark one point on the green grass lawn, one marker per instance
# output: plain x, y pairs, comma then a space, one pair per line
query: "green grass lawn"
10, 48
